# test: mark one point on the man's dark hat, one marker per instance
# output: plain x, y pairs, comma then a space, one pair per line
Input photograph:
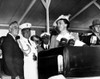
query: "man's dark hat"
95, 22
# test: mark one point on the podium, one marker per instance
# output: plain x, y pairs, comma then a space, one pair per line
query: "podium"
77, 62
82, 61
47, 62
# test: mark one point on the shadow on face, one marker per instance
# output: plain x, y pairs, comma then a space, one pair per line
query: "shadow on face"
26, 33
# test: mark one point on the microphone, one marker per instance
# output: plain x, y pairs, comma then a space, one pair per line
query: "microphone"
71, 42
63, 42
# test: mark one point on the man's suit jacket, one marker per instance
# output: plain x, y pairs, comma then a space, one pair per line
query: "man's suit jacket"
12, 57
86, 39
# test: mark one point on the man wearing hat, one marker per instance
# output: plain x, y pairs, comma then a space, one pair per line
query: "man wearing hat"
45, 40
95, 28
94, 37
30, 52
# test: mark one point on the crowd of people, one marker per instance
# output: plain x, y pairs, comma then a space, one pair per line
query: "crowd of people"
20, 49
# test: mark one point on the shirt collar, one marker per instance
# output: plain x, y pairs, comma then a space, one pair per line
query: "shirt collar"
12, 36
45, 45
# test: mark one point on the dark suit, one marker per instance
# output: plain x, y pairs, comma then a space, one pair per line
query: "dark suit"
86, 39
12, 57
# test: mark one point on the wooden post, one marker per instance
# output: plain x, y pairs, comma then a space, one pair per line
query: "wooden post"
27, 10
84, 8
96, 4
46, 4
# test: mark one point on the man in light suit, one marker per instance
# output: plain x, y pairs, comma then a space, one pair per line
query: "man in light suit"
12, 54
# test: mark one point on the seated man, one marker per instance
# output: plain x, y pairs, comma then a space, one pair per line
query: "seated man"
94, 37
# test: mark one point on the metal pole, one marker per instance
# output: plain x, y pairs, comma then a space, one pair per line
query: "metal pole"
27, 10
46, 5
83, 9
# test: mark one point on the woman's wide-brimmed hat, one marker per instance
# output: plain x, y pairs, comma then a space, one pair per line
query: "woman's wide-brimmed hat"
61, 17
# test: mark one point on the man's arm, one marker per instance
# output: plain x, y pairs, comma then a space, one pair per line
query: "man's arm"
8, 57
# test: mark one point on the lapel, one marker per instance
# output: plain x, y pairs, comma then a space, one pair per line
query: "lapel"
98, 36
10, 37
